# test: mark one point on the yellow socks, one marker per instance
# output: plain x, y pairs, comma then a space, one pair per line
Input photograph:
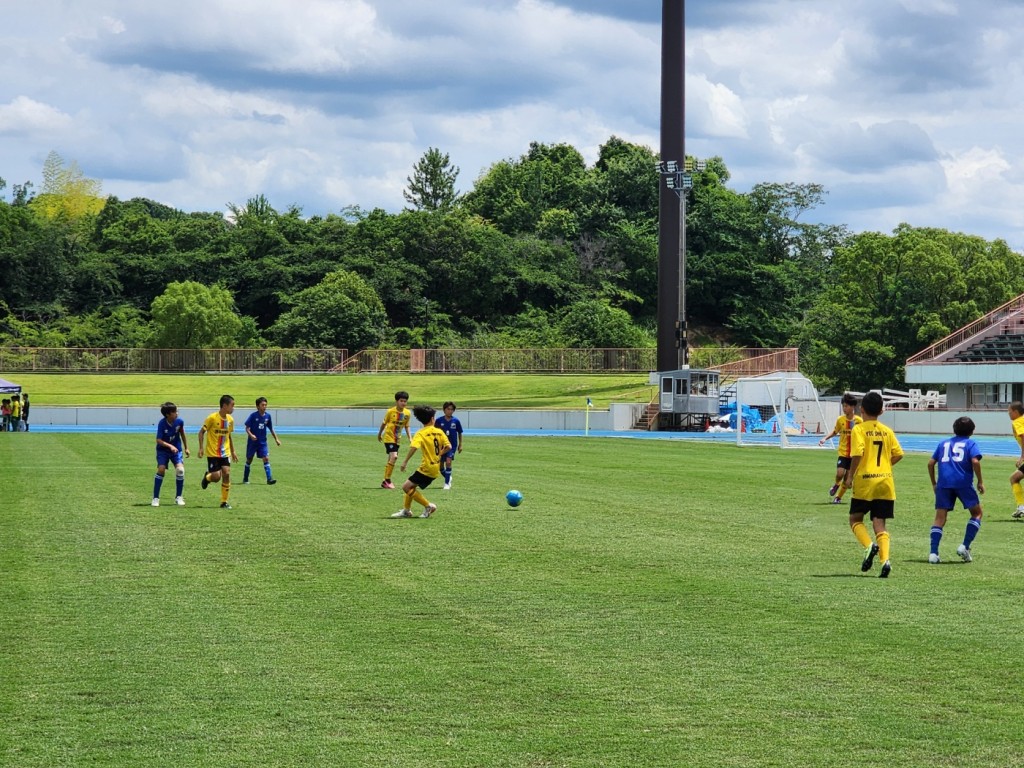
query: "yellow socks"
861, 532
1018, 493
419, 498
388, 469
883, 546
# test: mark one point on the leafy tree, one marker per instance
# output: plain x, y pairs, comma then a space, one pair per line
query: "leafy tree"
190, 315
342, 311
66, 191
593, 323
432, 184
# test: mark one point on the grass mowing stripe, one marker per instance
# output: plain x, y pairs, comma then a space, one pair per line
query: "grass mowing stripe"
650, 604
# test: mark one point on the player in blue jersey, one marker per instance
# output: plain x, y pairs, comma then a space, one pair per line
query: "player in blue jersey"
959, 461
171, 451
257, 426
452, 429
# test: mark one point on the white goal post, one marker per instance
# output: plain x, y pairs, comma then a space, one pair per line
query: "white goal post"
780, 409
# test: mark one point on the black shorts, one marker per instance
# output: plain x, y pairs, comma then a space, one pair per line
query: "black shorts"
421, 480
390, 448
880, 509
843, 462
215, 463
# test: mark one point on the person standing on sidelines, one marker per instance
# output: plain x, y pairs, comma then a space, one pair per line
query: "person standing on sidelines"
1016, 413
24, 409
959, 461
171, 451
15, 413
257, 426
874, 450
396, 419
452, 429
844, 426
219, 447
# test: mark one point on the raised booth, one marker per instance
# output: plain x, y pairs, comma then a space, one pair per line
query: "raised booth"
688, 398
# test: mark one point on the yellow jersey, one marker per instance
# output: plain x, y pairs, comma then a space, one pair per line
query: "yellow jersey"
394, 422
1018, 430
432, 444
843, 428
877, 446
218, 435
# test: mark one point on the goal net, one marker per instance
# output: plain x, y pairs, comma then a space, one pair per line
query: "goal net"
779, 410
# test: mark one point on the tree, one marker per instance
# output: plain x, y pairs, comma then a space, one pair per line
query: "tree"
66, 191
190, 315
432, 184
342, 312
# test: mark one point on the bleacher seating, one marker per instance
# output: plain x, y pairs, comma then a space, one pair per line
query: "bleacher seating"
1005, 348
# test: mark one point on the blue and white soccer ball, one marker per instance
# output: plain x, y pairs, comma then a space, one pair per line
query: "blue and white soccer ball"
514, 498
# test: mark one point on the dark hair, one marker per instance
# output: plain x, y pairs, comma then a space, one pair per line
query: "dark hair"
401, 395
226, 400
871, 404
1017, 406
963, 427
260, 400
849, 399
446, 404
168, 408
423, 413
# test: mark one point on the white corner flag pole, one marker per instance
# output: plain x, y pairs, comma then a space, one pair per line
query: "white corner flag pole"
590, 404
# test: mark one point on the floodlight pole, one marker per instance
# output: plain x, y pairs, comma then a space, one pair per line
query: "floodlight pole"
672, 345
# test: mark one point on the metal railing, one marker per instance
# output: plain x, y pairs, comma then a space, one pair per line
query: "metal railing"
123, 360
1013, 307
731, 361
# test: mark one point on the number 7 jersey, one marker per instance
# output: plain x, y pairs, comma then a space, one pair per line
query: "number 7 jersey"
877, 446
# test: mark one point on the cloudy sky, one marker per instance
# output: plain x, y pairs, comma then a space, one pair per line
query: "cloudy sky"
905, 110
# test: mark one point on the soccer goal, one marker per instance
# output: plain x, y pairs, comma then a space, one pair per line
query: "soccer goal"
780, 410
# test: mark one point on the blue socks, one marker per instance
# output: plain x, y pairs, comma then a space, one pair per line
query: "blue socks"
936, 538
973, 526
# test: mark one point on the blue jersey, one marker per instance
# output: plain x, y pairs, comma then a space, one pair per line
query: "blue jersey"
452, 429
170, 433
259, 426
954, 457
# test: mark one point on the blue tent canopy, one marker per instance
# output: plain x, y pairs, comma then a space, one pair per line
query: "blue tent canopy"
9, 387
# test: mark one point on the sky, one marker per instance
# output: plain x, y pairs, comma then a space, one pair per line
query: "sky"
904, 110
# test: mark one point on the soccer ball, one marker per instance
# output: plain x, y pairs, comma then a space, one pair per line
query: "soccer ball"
514, 498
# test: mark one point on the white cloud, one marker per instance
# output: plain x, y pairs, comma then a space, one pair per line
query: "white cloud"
904, 111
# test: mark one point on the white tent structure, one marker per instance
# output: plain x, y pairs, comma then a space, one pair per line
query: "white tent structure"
9, 387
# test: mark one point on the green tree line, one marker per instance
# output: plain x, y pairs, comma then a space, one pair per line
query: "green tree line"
542, 251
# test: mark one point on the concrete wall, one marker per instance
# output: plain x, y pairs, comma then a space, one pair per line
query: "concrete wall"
618, 417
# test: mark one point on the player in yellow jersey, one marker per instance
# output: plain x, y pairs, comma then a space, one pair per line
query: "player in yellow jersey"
219, 448
1016, 412
433, 444
395, 420
844, 426
874, 450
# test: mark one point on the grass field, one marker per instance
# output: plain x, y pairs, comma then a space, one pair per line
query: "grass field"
347, 390
651, 604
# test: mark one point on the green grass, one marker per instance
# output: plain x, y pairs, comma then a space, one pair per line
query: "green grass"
652, 603
344, 390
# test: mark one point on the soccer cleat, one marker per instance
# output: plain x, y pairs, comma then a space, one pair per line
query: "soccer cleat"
205, 482
271, 481
402, 513
179, 501
245, 482
447, 487
965, 553
886, 567
832, 491
225, 505
933, 558
1020, 511
156, 502
869, 557
836, 500
387, 484
430, 509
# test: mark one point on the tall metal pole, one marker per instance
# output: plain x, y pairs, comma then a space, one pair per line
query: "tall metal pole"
672, 354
